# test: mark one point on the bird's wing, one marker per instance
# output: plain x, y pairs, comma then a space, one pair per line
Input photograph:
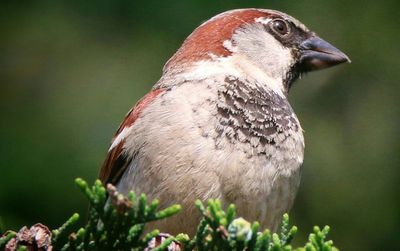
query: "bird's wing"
116, 162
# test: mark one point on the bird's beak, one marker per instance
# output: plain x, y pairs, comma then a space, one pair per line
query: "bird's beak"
318, 54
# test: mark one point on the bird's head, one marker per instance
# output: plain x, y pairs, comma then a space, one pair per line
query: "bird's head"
275, 43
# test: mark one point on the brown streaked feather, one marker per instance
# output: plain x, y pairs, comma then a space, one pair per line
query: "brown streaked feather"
115, 162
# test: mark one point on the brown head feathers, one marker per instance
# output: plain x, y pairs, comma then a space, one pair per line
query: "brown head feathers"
208, 39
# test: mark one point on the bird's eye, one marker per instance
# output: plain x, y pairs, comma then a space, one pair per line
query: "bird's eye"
280, 27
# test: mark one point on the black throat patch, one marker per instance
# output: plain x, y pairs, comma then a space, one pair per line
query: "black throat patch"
253, 114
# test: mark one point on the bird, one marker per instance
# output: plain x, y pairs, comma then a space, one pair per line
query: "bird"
218, 123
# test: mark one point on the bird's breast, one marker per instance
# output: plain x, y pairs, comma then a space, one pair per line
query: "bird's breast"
223, 140
262, 138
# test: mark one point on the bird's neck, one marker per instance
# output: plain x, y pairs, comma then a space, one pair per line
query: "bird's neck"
236, 65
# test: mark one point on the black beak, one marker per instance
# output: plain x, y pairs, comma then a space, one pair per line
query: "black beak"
318, 54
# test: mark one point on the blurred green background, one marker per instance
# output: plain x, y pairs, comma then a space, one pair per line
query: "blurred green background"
70, 70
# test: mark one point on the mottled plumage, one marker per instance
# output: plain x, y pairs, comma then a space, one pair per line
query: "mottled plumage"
254, 114
218, 123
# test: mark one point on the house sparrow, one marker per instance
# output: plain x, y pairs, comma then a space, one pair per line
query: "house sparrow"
218, 123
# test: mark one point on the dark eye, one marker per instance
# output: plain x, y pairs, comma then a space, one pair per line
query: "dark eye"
279, 26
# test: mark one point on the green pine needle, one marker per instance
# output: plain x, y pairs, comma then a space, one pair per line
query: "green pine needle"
118, 222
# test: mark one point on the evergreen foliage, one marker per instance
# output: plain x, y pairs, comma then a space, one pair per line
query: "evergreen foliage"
120, 224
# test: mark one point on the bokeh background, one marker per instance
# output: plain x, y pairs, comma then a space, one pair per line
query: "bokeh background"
70, 70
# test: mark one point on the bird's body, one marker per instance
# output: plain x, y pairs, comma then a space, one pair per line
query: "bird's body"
217, 125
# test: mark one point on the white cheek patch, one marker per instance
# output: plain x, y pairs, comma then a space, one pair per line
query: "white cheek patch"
264, 50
